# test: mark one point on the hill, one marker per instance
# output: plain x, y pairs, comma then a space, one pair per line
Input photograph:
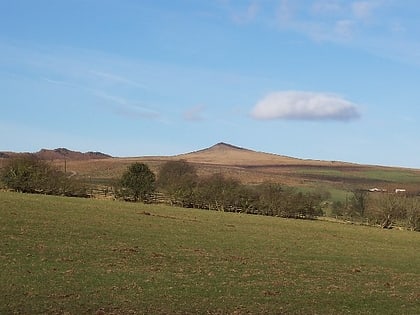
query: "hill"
248, 166
59, 154
227, 154
254, 167
63, 153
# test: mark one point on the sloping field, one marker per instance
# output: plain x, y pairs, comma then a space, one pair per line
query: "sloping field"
76, 256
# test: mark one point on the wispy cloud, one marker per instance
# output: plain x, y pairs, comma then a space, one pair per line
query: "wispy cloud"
128, 108
386, 28
137, 112
321, 21
114, 78
56, 82
364, 9
195, 113
246, 15
344, 29
327, 7
300, 105
331, 20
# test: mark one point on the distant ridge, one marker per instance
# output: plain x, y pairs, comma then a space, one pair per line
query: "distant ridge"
59, 154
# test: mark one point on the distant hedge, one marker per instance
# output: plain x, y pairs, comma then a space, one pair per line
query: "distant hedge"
179, 181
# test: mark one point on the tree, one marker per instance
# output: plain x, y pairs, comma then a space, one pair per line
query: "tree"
412, 209
245, 199
271, 199
309, 205
137, 182
25, 174
337, 208
283, 201
358, 202
178, 179
217, 192
386, 209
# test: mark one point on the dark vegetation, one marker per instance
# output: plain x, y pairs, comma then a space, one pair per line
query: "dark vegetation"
177, 183
28, 174
137, 183
383, 209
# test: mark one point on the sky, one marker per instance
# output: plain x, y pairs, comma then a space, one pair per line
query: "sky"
334, 80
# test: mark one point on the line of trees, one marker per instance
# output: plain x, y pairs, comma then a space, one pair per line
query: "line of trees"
180, 185
28, 174
179, 182
383, 209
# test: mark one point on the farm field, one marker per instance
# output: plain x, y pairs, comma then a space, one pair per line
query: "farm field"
77, 256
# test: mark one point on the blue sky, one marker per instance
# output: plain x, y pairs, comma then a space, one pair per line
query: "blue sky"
318, 79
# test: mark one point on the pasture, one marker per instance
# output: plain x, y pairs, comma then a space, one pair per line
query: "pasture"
77, 256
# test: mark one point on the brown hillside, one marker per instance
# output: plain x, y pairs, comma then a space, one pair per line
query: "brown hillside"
250, 166
226, 154
230, 155
246, 165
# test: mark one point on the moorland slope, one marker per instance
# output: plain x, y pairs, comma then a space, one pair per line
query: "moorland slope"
248, 166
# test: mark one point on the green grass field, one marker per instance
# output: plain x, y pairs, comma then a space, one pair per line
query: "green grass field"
365, 176
76, 256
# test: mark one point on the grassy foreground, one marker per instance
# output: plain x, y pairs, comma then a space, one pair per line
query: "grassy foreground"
76, 256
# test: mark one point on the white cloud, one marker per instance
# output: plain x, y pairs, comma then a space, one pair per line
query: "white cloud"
299, 105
